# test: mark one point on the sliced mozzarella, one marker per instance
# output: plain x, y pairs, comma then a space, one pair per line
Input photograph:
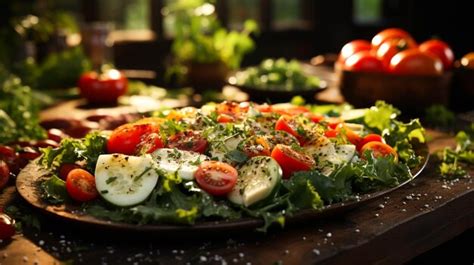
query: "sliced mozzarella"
327, 155
183, 163
257, 180
345, 152
125, 180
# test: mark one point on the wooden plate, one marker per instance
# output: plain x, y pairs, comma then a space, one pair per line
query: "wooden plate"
29, 178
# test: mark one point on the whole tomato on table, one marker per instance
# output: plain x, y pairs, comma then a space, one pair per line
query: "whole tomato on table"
439, 49
416, 62
392, 33
104, 87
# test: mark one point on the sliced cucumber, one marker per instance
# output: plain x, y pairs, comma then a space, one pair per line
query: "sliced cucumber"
125, 180
354, 115
220, 147
258, 179
183, 163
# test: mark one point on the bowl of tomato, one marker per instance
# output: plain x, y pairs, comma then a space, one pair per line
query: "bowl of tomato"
394, 68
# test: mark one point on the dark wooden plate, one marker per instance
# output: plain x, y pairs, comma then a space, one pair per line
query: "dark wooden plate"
27, 185
275, 95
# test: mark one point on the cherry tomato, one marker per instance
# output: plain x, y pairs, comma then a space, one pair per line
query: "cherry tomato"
333, 122
4, 174
280, 137
216, 178
225, 118
364, 61
314, 117
127, 137
64, 170
467, 60
28, 153
231, 108
415, 62
46, 143
353, 47
56, 135
80, 185
390, 47
188, 140
149, 144
256, 146
331, 133
379, 149
391, 33
291, 161
351, 136
288, 124
441, 50
264, 108
369, 138
7, 226
103, 88
289, 109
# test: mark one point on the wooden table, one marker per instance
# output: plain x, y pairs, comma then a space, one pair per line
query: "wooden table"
389, 230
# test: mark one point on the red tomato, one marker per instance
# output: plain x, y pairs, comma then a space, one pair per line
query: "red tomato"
391, 33
80, 185
56, 135
314, 117
379, 150
351, 136
390, 47
188, 140
353, 47
149, 144
265, 108
441, 50
104, 88
64, 170
331, 133
288, 124
256, 146
369, 138
216, 178
230, 108
225, 118
290, 160
364, 61
7, 226
415, 62
127, 137
289, 109
4, 174
28, 153
333, 122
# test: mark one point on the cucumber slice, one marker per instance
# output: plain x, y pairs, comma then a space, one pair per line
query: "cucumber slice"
354, 115
183, 163
258, 178
125, 180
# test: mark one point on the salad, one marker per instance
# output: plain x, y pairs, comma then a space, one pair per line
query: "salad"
231, 160
277, 74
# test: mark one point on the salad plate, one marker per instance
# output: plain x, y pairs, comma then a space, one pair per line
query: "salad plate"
27, 185
226, 167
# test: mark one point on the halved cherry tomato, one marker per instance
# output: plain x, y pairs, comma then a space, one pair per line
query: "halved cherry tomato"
64, 170
280, 137
290, 160
331, 133
188, 140
4, 174
264, 108
80, 185
225, 118
351, 136
149, 144
56, 135
391, 33
216, 178
390, 47
379, 150
353, 47
7, 226
314, 117
364, 61
333, 122
415, 62
369, 138
230, 108
289, 109
127, 137
288, 124
256, 145
441, 50
28, 153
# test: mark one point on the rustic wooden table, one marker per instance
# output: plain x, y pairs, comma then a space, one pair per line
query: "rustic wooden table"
389, 230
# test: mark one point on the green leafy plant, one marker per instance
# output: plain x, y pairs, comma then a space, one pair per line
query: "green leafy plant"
455, 161
199, 36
